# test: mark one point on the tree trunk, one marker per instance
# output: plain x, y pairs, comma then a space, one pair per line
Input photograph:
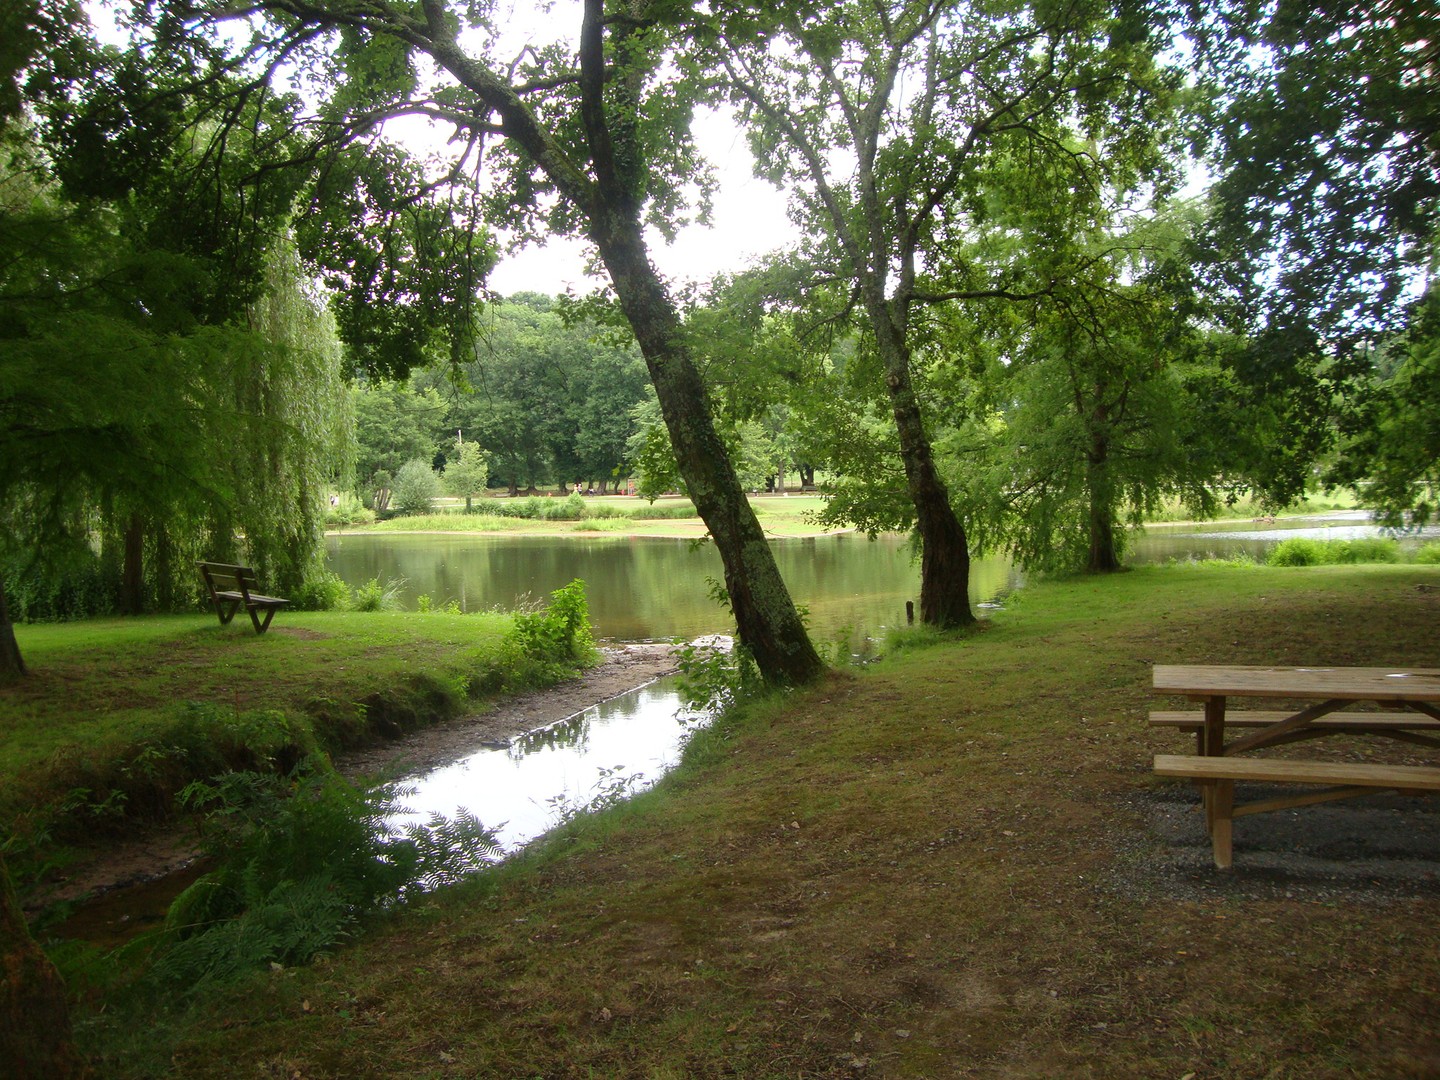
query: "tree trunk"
165, 575
132, 576
35, 1042
767, 620
944, 549
1103, 557
12, 664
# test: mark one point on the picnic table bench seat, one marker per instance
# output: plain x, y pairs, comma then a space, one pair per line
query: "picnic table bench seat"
1409, 727
1349, 779
231, 588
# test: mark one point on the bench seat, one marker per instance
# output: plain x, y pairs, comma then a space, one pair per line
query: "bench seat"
1412, 727
1221, 773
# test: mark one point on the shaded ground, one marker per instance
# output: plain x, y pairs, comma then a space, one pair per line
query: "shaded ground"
1369, 849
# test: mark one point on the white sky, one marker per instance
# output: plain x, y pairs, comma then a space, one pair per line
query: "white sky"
748, 222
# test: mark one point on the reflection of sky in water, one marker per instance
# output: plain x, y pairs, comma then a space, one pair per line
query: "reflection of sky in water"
518, 790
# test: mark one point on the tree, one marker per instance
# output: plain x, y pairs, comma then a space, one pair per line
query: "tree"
395, 422
1325, 138
1327, 141
591, 141
35, 1039
468, 472
147, 398
416, 487
1392, 456
885, 119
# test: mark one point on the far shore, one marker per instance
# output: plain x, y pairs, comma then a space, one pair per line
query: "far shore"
782, 516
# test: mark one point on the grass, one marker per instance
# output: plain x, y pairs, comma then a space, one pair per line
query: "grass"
672, 516
937, 866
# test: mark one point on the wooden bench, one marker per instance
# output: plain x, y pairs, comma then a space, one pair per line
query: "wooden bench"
1411, 727
230, 589
1221, 773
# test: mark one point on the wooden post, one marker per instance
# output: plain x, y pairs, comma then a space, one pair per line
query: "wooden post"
910, 612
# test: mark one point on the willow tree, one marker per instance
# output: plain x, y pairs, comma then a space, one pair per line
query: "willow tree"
885, 118
587, 135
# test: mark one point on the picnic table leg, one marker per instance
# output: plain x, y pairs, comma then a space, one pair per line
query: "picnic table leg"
1210, 742
1212, 734
1222, 805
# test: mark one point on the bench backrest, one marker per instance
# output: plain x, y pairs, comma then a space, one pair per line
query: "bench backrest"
226, 577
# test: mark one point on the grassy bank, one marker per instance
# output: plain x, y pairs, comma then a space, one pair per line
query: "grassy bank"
944, 865
671, 516
117, 715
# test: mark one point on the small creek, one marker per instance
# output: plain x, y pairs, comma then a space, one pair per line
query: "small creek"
527, 786
519, 789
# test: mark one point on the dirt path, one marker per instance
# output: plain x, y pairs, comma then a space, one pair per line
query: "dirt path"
154, 852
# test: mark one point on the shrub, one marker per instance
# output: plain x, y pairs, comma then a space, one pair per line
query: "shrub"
1428, 554
1374, 549
1300, 551
1297, 551
561, 633
297, 870
416, 488
376, 595
322, 591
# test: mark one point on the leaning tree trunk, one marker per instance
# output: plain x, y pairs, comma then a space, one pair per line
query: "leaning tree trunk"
12, 664
35, 1041
766, 618
944, 549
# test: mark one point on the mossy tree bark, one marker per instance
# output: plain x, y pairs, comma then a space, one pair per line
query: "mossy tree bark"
766, 618
12, 664
614, 63
944, 547
35, 1040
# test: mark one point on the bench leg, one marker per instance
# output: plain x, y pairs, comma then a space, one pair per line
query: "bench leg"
226, 610
261, 625
1221, 807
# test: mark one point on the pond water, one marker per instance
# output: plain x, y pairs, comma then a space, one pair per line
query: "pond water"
646, 588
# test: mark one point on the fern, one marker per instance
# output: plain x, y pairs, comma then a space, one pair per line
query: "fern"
297, 870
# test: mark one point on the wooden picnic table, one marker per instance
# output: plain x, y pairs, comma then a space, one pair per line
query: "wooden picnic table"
1330, 688
1328, 691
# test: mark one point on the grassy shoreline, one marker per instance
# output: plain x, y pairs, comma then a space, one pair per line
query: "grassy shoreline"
780, 516
942, 865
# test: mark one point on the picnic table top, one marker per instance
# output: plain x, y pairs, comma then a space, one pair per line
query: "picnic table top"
1360, 683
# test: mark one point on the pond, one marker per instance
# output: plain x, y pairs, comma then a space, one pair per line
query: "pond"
646, 588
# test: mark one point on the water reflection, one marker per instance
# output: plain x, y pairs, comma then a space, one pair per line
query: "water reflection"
529, 785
